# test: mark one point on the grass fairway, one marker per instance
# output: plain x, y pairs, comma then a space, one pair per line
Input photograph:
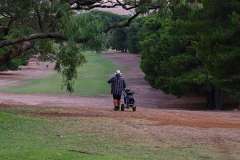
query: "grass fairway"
25, 136
90, 82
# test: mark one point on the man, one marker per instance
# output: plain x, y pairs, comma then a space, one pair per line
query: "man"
117, 86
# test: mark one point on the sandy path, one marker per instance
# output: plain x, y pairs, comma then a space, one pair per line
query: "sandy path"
145, 95
48, 100
31, 71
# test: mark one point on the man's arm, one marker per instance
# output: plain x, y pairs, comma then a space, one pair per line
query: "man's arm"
110, 80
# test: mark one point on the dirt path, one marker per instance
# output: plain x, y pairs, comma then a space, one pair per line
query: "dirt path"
146, 96
31, 71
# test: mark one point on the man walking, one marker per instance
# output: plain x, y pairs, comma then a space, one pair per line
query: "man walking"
117, 86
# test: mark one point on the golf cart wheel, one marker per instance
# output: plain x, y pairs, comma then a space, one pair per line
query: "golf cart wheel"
122, 107
134, 109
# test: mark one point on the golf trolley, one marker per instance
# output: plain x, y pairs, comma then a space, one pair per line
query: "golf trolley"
129, 101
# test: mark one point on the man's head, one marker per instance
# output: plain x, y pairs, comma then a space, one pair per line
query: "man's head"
118, 72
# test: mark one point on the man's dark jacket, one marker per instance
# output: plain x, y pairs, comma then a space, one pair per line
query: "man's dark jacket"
117, 84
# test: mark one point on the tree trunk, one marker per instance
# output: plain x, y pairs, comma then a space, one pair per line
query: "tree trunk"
210, 97
218, 99
215, 98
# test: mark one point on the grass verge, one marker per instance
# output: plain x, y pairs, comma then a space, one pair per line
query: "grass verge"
27, 137
91, 81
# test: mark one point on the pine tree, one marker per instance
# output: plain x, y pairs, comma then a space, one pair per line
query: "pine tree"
194, 49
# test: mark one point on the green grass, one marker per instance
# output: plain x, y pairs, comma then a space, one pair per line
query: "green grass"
86, 138
90, 82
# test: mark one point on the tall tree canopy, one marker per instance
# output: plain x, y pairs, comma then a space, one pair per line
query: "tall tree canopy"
194, 46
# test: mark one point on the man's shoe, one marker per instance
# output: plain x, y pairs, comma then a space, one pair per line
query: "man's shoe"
116, 108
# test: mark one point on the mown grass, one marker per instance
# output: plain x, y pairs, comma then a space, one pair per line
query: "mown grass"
90, 82
25, 137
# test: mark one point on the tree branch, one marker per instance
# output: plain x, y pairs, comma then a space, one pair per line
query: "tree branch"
54, 35
127, 5
124, 23
91, 4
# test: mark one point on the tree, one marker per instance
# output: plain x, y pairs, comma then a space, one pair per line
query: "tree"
29, 27
222, 56
118, 40
133, 37
192, 48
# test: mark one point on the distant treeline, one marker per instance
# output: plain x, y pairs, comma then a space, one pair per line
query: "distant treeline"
123, 39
